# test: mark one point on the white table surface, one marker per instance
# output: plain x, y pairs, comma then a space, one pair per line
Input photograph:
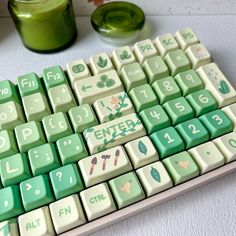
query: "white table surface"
209, 210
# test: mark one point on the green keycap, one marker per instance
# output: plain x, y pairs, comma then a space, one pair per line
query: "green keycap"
189, 82
14, 169
166, 89
10, 203
154, 118
71, 148
193, 132
167, 142
43, 159
177, 61
217, 123
202, 102
82, 117
56, 126
132, 75
155, 68
66, 180
9, 227
29, 83
53, 76
8, 145
178, 110
8, 92
143, 97
181, 167
126, 189
36, 192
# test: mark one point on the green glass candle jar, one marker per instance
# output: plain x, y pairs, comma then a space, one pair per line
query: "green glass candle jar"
44, 25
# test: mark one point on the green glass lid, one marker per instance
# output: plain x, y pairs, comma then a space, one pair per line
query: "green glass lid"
118, 22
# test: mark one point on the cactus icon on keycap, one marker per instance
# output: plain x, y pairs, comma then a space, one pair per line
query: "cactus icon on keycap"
102, 62
125, 55
224, 87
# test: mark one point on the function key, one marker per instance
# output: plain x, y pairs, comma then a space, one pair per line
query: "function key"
8, 92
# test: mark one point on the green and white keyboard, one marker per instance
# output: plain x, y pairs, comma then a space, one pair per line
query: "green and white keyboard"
87, 145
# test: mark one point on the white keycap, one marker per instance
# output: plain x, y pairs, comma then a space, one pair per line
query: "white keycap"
96, 87
207, 156
9, 228
122, 56
100, 63
67, 213
104, 165
154, 178
77, 70
227, 145
112, 107
144, 49
217, 84
231, 112
113, 133
97, 201
37, 222
141, 152
198, 55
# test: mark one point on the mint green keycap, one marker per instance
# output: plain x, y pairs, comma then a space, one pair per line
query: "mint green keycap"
177, 61
43, 159
155, 68
66, 180
56, 126
10, 203
181, 167
8, 145
71, 148
143, 97
8, 92
202, 102
189, 82
82, 117
178, 110
29, 83
217, 123
132, 75
166, 89
53, 76
36, 192
14, 169
154, 118
193, 132
167, 142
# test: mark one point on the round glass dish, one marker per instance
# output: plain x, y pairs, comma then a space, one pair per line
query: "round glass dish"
118, 22
44, 25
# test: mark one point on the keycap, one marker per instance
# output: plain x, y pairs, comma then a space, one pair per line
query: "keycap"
29, 135
207, 156
9, 228
143, 97
126, 189
97, 201
181, 167
167, 142
154, 178
56, 126
8, 92
112, 107
82, 117
113, 133
37, 222
66, 180
231, 113
186, 37
216, 82
104, 165
36, 192
141, 152
154, 119
67, 213
90, 89
155, 68
198, 55
166, 89
10, 203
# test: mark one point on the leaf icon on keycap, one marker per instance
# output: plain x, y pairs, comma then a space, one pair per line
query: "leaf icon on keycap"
105, 82
142, 147
155, 174
224, 87
125, 55
102, 62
